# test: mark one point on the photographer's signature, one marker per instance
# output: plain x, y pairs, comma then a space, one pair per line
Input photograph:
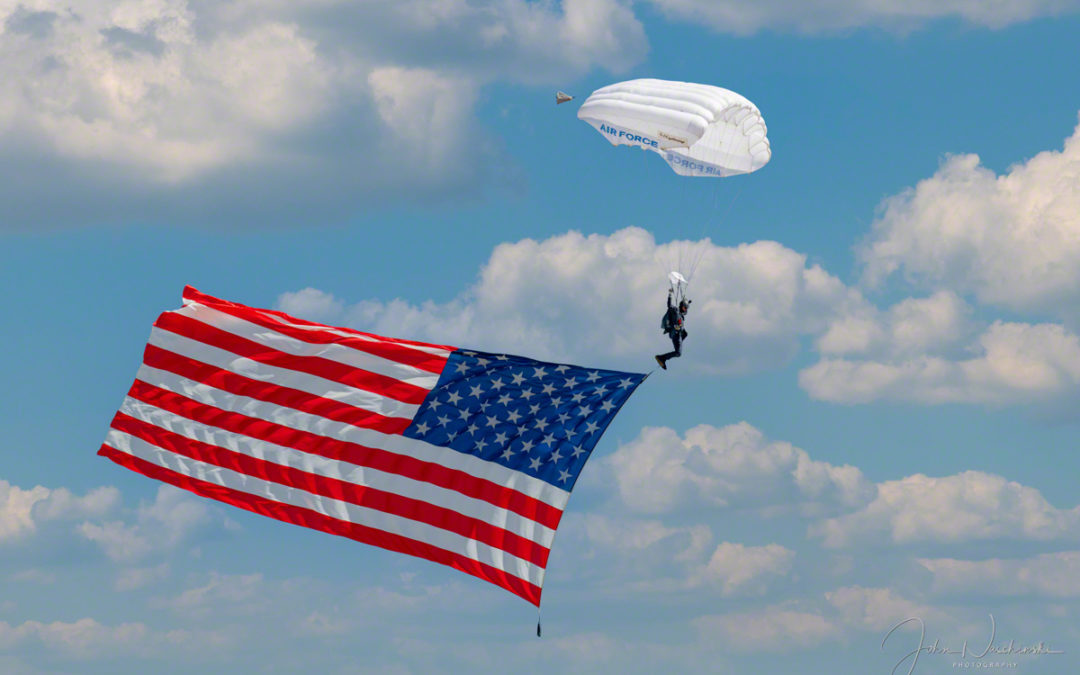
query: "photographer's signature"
991, 656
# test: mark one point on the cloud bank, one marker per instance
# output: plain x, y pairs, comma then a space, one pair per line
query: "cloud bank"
242, 112
814, 16
599, 298
1009, 240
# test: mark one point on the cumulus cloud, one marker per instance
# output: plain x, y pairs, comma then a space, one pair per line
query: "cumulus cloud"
222, 593
812, 16
877, 609
645, 555
969, 506
34, 576
22, 511
83, 638
128, 110
1011, 240
320, 624
1014, 363
133, 578
738, 569
753, 302
136, 84
1053, 575
913, 326
648, 556
168, 521
88, 638
774, 628
636, 536
836, 615
311, 303
730, 467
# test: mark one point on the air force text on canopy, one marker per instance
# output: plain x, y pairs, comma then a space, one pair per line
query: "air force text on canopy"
629, 136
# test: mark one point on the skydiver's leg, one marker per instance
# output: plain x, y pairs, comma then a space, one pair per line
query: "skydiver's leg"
676, 341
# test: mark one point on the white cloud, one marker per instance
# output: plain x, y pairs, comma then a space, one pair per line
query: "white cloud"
89, 639
168, 521
34, 576
877, 609
1011, 240
21, 511
137, 84
1016, 363
773, 628
621, 554
132, 578
85, 638
1055, 575
648, 556
737, 569
837, 615
911, 327
812, 16
734, 466
271, 109
318, 623
312, 304
754, 304
425, 110
222, 593
600, 298
634, 537
969, 506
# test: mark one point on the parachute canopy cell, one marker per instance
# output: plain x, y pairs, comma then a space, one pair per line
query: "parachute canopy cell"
699, 129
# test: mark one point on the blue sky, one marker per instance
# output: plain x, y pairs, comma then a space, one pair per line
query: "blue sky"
874, 418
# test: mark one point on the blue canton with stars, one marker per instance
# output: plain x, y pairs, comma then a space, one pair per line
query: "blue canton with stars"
542, 419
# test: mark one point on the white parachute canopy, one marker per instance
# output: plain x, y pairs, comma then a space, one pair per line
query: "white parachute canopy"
699, 129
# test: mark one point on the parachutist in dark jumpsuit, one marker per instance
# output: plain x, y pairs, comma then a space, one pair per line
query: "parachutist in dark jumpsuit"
674, 325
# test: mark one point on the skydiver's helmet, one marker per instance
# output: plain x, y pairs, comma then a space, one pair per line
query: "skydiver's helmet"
683, 306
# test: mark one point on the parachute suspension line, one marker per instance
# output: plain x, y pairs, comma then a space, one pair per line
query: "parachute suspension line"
723, 217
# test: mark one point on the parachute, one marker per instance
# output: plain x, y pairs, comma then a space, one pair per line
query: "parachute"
699, 129
678, 285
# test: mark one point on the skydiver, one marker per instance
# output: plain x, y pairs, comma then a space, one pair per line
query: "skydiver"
674, 325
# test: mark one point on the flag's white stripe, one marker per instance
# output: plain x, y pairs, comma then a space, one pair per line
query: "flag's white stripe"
367, 337
348, 356
283, 377
333, 508
341, 470
295, 419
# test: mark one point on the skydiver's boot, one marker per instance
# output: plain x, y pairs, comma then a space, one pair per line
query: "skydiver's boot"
661, 361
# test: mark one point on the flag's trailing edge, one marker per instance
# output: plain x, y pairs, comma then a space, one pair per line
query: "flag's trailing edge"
464, 458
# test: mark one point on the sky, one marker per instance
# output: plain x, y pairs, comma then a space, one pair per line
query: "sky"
874, 419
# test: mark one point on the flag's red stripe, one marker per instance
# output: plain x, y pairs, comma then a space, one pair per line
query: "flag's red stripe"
390, 348
219, 378
432, 363
312, 365
202, 298
354, 453
318, 521
361, 495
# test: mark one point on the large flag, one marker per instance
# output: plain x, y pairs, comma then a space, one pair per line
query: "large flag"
461, 457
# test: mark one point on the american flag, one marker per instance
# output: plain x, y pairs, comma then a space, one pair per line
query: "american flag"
460, 457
